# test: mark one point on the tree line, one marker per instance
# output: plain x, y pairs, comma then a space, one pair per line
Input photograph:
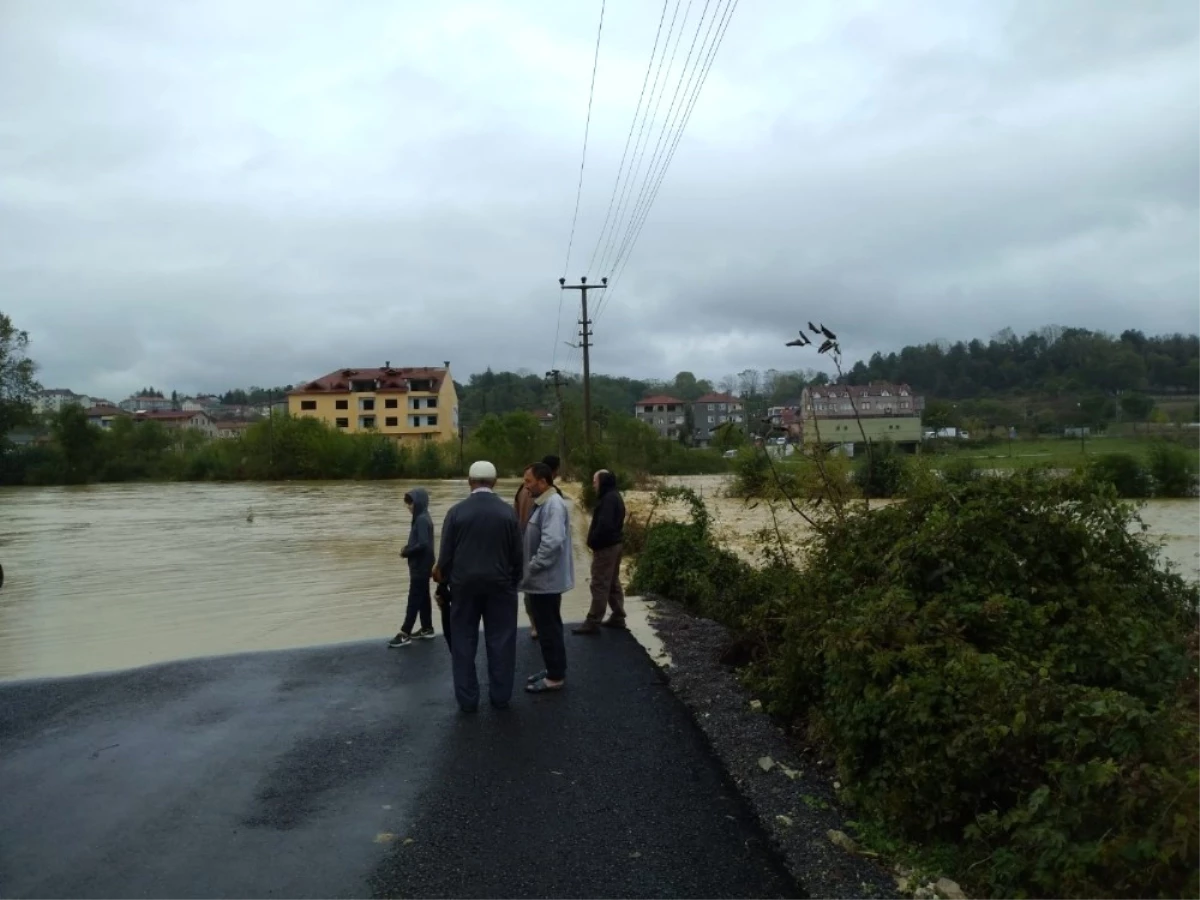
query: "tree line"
1050, 362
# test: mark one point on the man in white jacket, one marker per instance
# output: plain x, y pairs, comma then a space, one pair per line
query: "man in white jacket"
549, 573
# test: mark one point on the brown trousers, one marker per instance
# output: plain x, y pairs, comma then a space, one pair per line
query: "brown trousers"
606, 584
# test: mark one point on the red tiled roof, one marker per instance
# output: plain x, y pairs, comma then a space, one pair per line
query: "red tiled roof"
717, 398
391, 380
657, 399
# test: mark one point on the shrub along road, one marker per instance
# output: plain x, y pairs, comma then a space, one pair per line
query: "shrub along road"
348, 771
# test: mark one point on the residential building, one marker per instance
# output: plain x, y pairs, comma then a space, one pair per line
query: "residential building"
145, 404
665, 414
406, 403
103, 416
232, 428
200, 402
841, 413
180, 419
785, 420
545, 418
54, 399
712, 411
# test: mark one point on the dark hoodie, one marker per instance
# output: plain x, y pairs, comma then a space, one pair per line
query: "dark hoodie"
608, 518
419, 550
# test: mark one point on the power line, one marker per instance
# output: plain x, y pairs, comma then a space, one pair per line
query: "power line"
668, 124
632, 124
691, 105
582, 164
638, 147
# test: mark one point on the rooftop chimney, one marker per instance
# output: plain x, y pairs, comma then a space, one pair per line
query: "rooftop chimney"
387, 363
446, 363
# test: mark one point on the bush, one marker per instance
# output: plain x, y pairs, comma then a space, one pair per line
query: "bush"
1124, 472
1173, 468
1001, 669
881, 471
961, 470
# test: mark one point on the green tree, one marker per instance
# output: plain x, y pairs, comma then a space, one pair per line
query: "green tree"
77, 439
17, 383
1137, 407
939, 414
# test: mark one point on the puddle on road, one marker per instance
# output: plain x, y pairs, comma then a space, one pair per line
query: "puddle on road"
111, 576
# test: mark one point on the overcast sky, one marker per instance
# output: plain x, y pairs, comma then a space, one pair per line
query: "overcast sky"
214, 193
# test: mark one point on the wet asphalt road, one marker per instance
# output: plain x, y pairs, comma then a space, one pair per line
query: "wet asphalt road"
348, 771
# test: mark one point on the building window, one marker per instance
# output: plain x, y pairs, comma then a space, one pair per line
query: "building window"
391, 403
342, 404
431, 421
866, 404
366, 421
711, 419
366, 405
431, 403
308, 404
342, 423
391, 421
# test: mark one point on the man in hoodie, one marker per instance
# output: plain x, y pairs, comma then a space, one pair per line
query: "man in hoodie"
523, 507
419, 553
549, 573
605, 537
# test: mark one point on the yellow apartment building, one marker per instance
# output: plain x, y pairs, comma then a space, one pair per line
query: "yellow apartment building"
407, 404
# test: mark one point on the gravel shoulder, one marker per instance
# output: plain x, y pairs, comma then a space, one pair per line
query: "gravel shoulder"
793, 794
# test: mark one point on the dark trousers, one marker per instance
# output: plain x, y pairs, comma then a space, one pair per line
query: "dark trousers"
606, 584
547, 616
419, 604
497, 607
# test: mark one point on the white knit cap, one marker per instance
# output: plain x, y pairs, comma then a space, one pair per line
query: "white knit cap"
482, 471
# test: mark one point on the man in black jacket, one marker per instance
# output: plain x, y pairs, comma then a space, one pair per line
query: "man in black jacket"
604, 539
481, 561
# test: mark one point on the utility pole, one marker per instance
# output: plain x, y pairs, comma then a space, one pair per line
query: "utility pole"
554, 376
585, 335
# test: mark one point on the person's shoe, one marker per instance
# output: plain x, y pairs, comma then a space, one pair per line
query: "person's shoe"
469, 709
425, 634
533, 635
499, 704
614, 622
402, 639
587, 627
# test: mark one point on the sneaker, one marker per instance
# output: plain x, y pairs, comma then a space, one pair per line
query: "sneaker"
425, 634
400, 640
587, 627
614, 622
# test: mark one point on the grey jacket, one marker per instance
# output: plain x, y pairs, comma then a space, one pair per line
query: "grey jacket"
549, 560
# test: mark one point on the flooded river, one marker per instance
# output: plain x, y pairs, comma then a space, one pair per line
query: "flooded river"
111, 576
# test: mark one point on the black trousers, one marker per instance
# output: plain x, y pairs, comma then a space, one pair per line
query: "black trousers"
420, 603
547, 616
497, 607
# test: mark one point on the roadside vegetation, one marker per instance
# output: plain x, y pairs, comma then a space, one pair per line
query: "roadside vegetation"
1001, 666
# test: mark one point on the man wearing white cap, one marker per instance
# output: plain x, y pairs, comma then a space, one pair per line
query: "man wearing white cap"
481, 560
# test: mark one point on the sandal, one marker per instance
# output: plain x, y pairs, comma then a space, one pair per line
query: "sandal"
541, 687
538, 677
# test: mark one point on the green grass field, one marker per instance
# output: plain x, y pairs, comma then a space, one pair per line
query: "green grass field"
1058, 452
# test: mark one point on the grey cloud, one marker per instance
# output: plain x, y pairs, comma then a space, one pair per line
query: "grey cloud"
211, 195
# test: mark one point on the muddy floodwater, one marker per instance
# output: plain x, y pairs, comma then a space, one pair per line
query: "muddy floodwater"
111, 576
